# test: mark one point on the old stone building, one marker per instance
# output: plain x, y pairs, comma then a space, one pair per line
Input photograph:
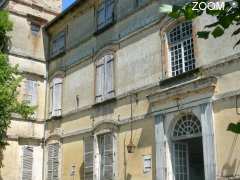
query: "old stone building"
23, 158
134, 95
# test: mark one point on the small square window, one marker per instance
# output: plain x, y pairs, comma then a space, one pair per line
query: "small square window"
35, 28
147, 163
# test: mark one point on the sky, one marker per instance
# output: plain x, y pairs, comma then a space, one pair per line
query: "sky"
67, 3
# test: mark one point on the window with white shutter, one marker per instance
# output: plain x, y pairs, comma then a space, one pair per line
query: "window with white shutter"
27, 162
55, 97
105, 78
53, 162
30, 92
105, 145
181, 51
58, 44
88, 157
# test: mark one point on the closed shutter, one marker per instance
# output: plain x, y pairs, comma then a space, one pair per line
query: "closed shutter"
109, 68
30, 95
106, 154
53, 163
57, 97
88, 158
100, 80
27, 163
109, 11
51, 100
101, 16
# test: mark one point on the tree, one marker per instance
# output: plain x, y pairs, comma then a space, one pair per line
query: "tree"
226, 16
10, 79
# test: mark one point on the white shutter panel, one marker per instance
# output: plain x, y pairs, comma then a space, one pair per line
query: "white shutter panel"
100, 80
51, 100
88, 158
53, 163
57, 97
34, 93
109, 76
108, 157
27, 163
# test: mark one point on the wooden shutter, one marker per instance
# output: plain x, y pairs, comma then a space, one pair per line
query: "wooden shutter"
57, 96
88, 158
109, 68
27, 163
107, 158
100, 80
53, 163
109, 11
101, 19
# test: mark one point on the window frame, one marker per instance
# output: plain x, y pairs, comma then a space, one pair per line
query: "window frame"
52, 88
105, 94
181, 41
107, 23
58, 161
145, 168
54, 39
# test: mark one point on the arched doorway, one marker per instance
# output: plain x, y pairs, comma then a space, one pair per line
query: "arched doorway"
188, 163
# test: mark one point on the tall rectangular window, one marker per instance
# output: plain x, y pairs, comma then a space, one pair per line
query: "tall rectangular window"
58, 44
105, 13
88, 158
55, 97
30, 92
104, 78
181, 52
27, 162
105, 145
53, 162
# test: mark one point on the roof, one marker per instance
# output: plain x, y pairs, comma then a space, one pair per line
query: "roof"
64, 13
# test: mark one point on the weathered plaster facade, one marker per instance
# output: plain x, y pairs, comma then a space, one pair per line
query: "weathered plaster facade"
27, 52
141, 68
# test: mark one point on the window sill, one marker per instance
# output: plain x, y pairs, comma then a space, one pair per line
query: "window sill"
57, 55
184, 77
105, 101
54, 118
106, 27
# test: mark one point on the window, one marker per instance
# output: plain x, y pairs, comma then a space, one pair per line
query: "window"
55, 97
53, 163
104, 78
88, 158
99, 157
147, 163
30, 92
27, 162
105, 13
35, 28
181, 52
58, 44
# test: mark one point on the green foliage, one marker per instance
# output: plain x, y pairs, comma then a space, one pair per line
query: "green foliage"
226, 17
10, 80
235, 128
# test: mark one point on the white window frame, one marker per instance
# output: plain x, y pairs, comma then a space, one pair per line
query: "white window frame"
182, 40
104, 80
22, 160
31, 93
53, 103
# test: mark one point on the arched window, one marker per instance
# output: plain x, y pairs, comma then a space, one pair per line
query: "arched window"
187, 126
55, 97
180, 49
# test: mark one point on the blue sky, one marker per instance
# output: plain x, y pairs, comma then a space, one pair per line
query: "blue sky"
67, 3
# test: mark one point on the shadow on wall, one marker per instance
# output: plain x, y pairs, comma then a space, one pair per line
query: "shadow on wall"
231, 168
127, 176
81, 171
1, 163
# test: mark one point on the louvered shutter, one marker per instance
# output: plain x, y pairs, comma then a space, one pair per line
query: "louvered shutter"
100, 71
53, 163
88, 158
34, 93
107, 158
101, 16
109, 68
27, 163
57, 97
109, 11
